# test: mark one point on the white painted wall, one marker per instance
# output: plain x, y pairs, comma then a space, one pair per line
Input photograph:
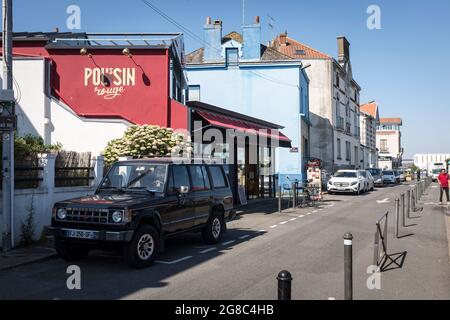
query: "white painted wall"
43, 198
41, 115
425, 161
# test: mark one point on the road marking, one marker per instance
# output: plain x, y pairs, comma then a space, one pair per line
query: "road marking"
244, 236
331, 298
274, 226
383, 201
261, 230
208, 250
301, 216
293, 219
228, 242
284, 222
315, 211
173, 261
434, 187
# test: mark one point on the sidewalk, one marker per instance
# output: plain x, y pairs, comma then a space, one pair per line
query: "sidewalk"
426, 242
40, 251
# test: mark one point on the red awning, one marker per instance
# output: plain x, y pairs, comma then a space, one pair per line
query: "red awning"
243, 126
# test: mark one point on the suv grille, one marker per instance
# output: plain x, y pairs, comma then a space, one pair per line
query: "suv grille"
341, 184
87, 215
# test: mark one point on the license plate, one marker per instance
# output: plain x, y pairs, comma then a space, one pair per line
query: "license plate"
81, 234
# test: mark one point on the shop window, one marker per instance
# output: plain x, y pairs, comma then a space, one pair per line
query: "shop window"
218, 179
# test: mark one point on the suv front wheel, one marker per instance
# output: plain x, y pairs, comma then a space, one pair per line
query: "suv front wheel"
214, 229
143, 249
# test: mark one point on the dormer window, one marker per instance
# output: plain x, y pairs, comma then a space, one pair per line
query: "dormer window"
232, 56
300, 52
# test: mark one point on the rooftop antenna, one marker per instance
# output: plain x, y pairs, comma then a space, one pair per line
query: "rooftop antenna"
271, 24
243, 12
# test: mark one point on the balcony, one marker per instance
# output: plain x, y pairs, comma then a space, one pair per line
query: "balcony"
340, 123
348, 128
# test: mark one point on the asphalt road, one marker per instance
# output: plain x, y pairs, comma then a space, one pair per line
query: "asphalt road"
307, 242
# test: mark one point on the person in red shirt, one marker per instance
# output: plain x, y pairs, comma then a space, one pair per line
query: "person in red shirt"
443, 182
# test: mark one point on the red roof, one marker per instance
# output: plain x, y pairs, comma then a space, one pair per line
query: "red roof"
370, 108
297, 50
391, 121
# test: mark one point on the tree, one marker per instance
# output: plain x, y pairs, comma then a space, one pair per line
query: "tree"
147, 140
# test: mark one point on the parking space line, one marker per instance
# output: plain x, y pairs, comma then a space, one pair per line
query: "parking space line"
228, 242
173, 261
301, 216
293, 219
284, 222
208, 250
274, 226
261, 230
244, 236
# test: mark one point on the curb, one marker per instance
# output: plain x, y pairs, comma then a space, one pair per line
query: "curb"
28, 262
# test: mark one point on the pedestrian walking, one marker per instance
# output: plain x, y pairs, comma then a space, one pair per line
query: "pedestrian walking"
418, 174
443, 182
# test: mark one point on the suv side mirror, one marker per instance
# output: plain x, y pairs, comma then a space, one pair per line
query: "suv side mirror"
184, 189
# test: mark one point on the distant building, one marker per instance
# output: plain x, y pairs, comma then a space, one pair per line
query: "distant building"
240, 74
369, 119
389, 143
427, 161
334, 102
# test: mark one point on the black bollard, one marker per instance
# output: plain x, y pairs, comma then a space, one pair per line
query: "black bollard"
397, 214
348, 266
284, 285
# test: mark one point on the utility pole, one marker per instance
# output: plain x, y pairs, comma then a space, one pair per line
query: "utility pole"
7, 126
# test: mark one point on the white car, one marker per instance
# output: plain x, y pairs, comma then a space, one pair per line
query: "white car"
389, 177
348, 181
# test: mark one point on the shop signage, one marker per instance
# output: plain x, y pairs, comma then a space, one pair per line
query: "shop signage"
314, 163
294, 150
109, 82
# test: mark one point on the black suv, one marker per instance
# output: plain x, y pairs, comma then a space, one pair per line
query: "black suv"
139, 203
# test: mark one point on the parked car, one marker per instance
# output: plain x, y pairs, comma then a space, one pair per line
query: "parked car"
370, 182
377, 176
139, 204
397, 176
347, 181
402, 175
389, 177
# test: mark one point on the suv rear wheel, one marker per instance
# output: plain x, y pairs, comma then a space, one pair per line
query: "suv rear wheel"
69, 251
143, 249
214, 229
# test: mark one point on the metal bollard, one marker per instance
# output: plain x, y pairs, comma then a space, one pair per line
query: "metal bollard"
408, 204
279, 198
397, 213
348, 266
284, 285
402, 197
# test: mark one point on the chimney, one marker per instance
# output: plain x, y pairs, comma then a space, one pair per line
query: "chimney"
343, 50
283, 39
213, 38
252, 40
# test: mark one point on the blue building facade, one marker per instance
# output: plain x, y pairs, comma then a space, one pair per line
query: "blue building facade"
238, 73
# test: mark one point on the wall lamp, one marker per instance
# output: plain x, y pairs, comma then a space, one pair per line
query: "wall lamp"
84, 51
126, 52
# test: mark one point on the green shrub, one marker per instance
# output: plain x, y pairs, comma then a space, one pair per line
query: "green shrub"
146, 140
30, 145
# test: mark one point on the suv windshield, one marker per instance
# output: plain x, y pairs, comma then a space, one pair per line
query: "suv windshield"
375, 172
345, 174
388, 173
150, 177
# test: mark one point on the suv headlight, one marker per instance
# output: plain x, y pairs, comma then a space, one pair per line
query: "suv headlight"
354, 183
61, 213
117, 216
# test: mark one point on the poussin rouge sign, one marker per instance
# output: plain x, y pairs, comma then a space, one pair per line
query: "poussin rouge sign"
109, 82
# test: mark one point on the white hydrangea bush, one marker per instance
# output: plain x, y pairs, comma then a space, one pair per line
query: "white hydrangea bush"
147, 141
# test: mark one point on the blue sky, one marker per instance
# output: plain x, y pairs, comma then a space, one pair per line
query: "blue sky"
404, 66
